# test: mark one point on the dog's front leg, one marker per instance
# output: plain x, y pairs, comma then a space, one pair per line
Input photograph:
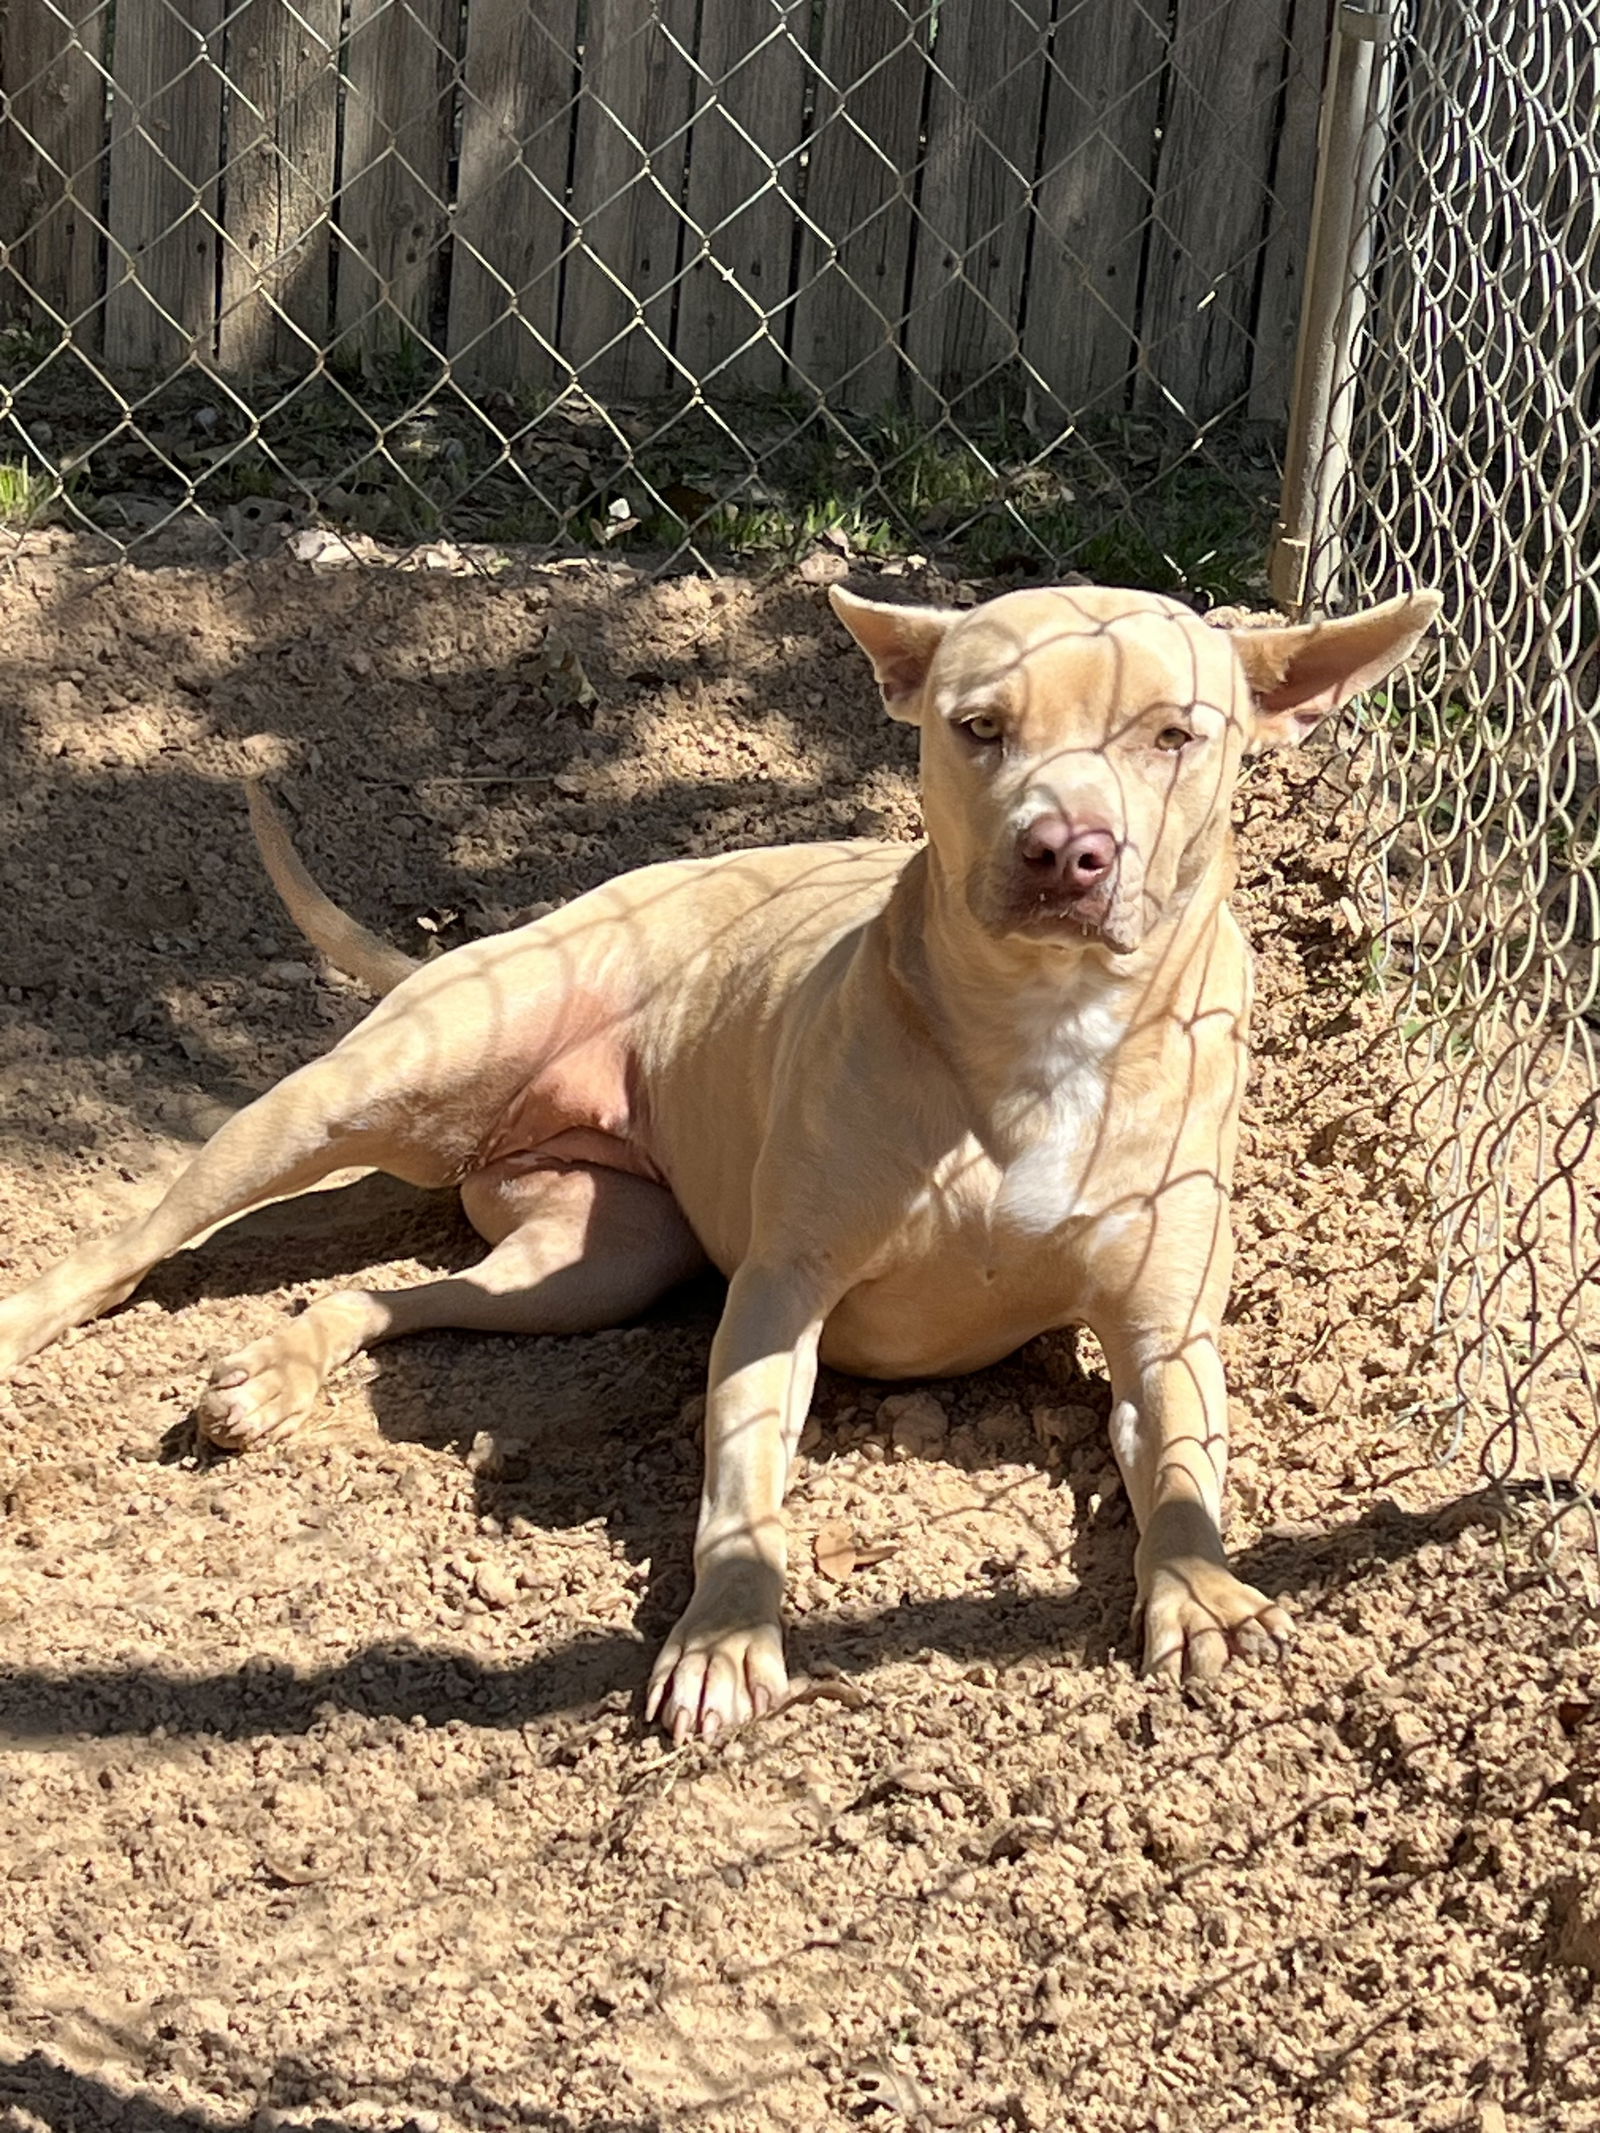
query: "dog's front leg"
1169, 1429
723, 1663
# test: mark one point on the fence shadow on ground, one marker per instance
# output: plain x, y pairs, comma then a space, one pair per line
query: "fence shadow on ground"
65, 2101
410, 1682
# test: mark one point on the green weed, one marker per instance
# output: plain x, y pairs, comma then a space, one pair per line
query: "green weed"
386, 443
25, 494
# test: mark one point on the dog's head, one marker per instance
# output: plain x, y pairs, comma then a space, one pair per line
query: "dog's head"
1080, 745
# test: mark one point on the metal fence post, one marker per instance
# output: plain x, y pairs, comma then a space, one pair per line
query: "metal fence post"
1352, 137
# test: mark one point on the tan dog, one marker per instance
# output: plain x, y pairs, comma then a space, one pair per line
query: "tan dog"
917, 1105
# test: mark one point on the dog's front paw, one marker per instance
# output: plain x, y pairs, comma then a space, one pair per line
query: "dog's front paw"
723, 1663
1198, 1615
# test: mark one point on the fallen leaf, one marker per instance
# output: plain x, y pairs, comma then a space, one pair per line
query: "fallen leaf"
879, 2085
292, 1872
834, 1551
566, 685
806, 1690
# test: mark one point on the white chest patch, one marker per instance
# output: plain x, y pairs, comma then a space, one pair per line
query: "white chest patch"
1052, 1133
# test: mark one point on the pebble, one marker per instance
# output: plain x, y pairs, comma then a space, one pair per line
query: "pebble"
915, 1422
495, 1586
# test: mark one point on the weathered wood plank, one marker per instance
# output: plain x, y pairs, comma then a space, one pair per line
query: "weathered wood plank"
1277, 320
743, 180
282, 119
400, 69
627, 178
1210, 205
1102, 102
166, 138
52, 148
972, 247
520, 80
851, 295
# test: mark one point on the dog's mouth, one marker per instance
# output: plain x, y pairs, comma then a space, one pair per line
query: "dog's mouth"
1045, 914
1067, 929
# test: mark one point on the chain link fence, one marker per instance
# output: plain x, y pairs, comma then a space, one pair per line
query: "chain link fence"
1011, 283
1450, 435
1012, 280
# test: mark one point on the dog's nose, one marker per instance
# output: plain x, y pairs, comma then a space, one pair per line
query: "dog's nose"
1071, 860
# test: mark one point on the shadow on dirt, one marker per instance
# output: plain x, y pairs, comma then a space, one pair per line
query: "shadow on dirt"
66, 2102
409, 1682
462, 750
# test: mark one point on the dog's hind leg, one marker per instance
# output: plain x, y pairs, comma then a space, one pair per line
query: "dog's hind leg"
316, 1121
576, 1248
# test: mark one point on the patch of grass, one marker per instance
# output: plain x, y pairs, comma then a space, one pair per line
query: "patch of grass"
386, 444
25, 494
1435, 720
1375, 958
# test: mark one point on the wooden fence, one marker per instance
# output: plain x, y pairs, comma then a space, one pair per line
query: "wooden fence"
871, 199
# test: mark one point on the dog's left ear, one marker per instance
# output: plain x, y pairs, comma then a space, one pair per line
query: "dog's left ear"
900, 642
1299, 675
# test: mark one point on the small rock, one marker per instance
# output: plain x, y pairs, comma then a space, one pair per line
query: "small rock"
1318, 1383
484, 1457
495, 1586
210, 2017
821, 568
1059, 1425
1407, 1731
915, 1422
870, 822
1002, 1425
1052, 2008
289, 973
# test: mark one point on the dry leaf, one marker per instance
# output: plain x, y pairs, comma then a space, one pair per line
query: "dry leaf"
834, 1551
292, 1872
806, 1689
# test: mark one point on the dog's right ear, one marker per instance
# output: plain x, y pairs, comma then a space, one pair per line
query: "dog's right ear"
900, 642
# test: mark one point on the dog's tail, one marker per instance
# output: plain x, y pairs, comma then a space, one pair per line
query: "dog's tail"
343, 940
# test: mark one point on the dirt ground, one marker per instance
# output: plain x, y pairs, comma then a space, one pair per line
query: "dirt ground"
326, 1801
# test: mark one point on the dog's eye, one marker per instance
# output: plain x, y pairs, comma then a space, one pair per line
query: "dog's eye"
982, 728
1171, 738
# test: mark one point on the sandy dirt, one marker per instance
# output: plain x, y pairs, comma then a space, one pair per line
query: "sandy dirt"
326, 1802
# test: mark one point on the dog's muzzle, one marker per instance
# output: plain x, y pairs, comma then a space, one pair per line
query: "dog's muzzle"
1065, 871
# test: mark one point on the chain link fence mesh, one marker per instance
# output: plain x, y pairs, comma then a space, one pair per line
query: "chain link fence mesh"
1015, 280
1013, 283
1462, 450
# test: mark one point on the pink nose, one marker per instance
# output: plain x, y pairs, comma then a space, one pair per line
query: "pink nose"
1071, 860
